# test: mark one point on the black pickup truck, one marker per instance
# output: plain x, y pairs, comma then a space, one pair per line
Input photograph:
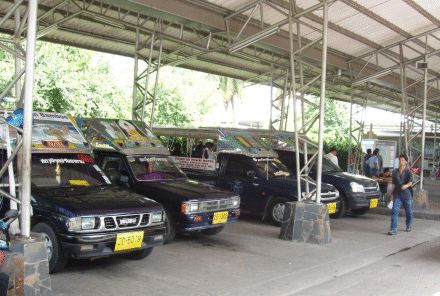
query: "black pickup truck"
358, 193
264, 184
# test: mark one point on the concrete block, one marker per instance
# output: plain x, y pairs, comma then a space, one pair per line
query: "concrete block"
29, 268
306, 222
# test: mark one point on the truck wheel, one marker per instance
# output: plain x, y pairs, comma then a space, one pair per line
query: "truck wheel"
359, 212
170, 229
140, 254
212, 231
55, 255
342, 207
275, 211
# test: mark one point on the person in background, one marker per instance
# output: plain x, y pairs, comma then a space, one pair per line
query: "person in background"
197, 151
367, 156
402, 181
177, 150
351, 160
208, 151
332, 156
373, 163
379, 157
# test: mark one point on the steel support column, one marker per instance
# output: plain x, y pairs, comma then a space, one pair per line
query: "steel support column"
27, 120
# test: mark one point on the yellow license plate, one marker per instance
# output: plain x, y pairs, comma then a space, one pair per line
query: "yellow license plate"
373, 202
331, 207
129, 240
220, 217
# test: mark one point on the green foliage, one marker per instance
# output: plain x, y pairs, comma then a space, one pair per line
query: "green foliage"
170, 109
337, 127
230, 89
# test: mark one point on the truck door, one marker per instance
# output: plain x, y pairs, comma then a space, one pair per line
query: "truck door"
238, 175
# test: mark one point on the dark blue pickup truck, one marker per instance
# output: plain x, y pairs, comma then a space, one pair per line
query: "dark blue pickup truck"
81, 216
134, 158
243, 166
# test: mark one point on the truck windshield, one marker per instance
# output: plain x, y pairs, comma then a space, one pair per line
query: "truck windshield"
148, 168
271, 167
54, 170
328, 166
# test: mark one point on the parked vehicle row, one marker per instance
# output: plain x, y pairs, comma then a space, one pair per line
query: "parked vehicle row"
103, 187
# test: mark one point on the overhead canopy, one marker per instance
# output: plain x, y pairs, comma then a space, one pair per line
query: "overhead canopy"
200, 35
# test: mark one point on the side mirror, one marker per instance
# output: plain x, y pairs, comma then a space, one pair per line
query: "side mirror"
251, 174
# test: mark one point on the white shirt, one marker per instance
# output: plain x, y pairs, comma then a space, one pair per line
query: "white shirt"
333, 158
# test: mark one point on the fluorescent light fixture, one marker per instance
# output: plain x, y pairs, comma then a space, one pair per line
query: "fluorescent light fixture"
254, 38
377, 75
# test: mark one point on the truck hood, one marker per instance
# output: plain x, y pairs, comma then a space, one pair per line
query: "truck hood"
102, 200
347, 177
185, 189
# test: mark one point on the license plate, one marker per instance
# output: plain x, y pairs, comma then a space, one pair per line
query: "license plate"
129, 240
331, 207
373, 202
220, 217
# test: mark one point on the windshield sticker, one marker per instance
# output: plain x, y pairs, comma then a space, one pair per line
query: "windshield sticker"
86, 158
148, 159
243, 141
263, 159
61, 161
79, 182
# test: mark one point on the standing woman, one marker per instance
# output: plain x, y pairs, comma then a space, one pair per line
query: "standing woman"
402, 180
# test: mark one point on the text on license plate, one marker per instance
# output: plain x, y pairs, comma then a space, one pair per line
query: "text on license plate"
373, 202
129, 240
220, 217
331, 207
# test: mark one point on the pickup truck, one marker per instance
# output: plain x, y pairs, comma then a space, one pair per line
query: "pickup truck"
263, 184
82, 216
75, 207
244, 165
358, 193
133, 157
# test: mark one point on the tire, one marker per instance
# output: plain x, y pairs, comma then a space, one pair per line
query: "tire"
170, 228
140, 254
275, 210
55, 255
342, 207
359, 212
212, 231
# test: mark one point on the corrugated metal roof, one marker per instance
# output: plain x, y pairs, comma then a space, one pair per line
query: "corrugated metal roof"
356, 27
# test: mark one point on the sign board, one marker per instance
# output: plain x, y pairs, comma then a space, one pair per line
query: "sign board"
129, 137
243, 142
53, 132
194, 163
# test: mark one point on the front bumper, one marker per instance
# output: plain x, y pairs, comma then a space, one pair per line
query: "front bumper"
84, 246
362, 200
199, 221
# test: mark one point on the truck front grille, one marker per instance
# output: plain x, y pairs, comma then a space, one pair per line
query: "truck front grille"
145, 219
128, 221
216, 205
109, 223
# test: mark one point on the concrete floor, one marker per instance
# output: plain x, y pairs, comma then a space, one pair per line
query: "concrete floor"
247, 258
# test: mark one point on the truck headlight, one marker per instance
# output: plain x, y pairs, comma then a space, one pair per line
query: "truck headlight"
82, 223
236, 202
377, 186
189, 207
157, 217
356, 187
337, 193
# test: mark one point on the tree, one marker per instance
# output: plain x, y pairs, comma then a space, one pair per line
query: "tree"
230, 89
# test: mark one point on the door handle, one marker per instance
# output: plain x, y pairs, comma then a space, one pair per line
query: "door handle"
255, 184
